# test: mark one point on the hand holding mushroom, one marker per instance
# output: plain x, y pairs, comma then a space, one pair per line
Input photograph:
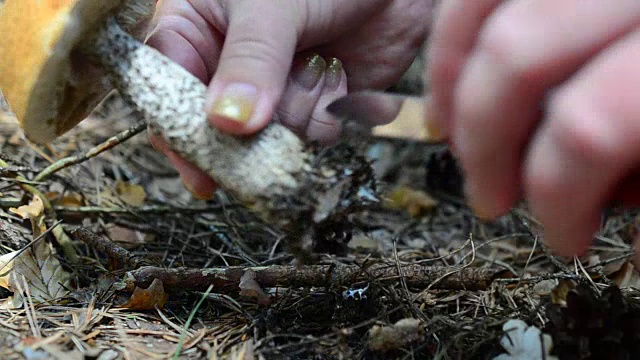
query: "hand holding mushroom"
244, 51
70, 51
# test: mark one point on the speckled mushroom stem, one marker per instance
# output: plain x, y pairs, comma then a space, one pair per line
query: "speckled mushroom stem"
274, 172
172, 101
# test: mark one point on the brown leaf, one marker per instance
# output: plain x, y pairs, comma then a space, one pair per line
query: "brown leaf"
126, 237
43, 273
147, 299
627, 276
69, 199
250, 287
398, 335
560, 292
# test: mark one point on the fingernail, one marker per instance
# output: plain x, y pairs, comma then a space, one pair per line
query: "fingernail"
237, 102
308, 72
192, 189
333, 74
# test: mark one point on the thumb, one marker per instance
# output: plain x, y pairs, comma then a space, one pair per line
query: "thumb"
259, 46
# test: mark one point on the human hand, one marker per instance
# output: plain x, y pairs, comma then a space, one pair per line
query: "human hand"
244, 49
540, 98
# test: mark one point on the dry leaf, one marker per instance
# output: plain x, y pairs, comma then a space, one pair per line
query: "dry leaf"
250, 287
396, 336
32, 210
131, 194
560, 292
147, 299
128, 238
415, 202
627, 276
243, 351
69, 199
6, 264
44, 275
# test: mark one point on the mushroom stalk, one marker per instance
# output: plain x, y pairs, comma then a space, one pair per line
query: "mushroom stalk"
268, 172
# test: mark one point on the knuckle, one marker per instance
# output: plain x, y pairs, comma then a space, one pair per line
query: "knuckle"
504, 41
250, 50
574, 127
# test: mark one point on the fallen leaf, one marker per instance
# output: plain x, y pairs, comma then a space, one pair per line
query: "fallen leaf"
46, 278
250, 287
6, 264
128, 238
69, 199
32, 210
415, 202
627, 276
131, 194
147, 299
396, 336
560, 292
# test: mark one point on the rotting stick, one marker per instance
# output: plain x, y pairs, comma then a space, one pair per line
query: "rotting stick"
146, 209
112, 250
228, 278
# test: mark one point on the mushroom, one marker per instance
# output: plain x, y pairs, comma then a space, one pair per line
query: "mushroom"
273, 172
44, 73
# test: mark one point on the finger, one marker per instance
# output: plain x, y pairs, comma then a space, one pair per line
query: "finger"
261, 39
199, 184
184, 36
456, 25
587, 146
525, 48
393, 42
322, 127
302, 93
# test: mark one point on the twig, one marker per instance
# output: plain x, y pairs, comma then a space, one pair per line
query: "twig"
109, 248
93, 152
181, 279
148, 209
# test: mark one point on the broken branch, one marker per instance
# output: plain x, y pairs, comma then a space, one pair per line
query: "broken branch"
227, 278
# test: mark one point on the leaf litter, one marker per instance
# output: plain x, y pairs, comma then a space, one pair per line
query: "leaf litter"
414, 276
